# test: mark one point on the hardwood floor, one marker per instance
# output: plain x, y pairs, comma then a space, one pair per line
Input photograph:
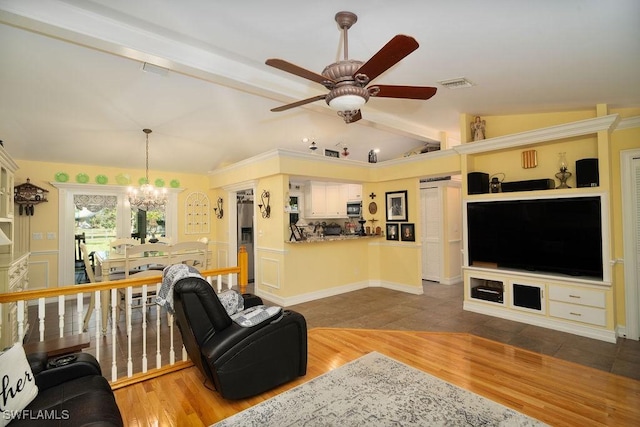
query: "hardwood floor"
555, 391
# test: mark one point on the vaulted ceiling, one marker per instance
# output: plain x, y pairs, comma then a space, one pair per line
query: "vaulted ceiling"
73, 88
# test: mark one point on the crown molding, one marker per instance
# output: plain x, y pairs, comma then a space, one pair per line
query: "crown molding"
568, 130
629, 123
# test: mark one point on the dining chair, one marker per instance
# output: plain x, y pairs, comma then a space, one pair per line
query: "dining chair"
92, 279
120, 244
139, 262
191, 253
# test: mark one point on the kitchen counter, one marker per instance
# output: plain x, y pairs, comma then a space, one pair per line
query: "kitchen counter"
337, 238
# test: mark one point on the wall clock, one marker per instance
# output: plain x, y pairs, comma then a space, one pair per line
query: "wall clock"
373, 208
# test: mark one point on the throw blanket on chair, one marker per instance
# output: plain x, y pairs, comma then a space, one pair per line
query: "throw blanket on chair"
170, 275
231, 300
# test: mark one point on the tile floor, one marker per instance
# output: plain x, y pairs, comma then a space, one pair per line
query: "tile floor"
440, 309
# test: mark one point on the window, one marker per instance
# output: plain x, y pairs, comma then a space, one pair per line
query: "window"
106, 218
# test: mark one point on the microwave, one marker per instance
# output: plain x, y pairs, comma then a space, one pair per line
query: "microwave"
354, 209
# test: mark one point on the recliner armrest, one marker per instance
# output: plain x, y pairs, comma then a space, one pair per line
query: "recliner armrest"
84, 364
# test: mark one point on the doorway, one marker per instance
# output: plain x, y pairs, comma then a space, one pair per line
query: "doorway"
630, 171
245, 227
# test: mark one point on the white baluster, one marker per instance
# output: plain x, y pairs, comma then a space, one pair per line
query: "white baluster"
219, 282
144, 328
98, 308
128, 319
172, 352
41, 317
20, 305
1, 328
61, 315
230, 281
158, 325
114, 320
80, 304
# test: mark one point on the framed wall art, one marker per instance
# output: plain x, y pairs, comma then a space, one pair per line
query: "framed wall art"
296, 233
392, 231
408, 232
332, 153
396, 205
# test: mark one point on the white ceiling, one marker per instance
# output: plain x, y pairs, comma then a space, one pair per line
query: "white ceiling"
72, 89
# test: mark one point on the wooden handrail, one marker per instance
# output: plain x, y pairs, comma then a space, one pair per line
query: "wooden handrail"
101, 286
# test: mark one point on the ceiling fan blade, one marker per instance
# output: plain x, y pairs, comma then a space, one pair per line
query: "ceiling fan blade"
390, 54
298, 103
283, 65
407, 92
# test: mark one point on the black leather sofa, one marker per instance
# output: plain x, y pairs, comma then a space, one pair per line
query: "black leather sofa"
71, 392
239, 361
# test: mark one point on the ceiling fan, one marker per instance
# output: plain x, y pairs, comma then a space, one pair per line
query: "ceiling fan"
347, 80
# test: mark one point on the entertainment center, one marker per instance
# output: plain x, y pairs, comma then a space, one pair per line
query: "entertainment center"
541, 257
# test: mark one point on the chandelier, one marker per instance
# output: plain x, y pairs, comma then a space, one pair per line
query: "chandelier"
147, 197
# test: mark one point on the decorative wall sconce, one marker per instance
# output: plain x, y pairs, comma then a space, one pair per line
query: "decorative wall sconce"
265, 209
218, 210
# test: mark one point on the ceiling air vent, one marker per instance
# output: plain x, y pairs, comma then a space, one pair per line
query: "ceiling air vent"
458, 83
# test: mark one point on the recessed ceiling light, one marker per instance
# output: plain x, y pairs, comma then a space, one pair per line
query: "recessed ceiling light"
457, 83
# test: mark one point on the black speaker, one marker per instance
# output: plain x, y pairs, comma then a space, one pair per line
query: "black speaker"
587, 173
477, 183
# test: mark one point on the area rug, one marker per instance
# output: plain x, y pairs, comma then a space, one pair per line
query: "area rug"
376, 390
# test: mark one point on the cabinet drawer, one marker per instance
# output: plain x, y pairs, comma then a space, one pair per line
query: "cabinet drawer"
579, 313
577, 296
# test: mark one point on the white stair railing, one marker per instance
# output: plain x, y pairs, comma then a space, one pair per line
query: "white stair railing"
68, 304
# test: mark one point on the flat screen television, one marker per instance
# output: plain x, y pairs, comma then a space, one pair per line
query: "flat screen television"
555, 235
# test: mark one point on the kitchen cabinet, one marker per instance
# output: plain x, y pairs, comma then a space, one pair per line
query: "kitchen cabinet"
325, 200
354, 192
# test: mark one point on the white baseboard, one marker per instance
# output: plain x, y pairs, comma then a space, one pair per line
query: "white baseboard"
338, 290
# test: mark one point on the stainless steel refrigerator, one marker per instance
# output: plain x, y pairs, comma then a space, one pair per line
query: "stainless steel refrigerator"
245, 230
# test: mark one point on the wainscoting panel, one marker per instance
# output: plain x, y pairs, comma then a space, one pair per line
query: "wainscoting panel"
39, 274
222, 258
270, 272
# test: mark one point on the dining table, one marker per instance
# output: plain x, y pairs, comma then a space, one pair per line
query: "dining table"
110, 265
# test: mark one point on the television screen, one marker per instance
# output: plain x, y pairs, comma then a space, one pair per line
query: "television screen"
562, 235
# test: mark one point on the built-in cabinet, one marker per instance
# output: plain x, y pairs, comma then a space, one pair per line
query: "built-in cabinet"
583, 306
14, 266
328, 199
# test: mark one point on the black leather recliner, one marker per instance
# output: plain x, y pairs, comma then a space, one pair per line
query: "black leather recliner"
73, 393
239, 361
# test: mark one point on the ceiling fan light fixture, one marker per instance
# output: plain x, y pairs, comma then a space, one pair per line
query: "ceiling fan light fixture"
347, 103
347, 98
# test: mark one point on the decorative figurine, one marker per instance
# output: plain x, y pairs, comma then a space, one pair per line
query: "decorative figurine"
477, 129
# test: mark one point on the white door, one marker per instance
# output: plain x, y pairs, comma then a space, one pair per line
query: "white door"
630, 169
431, 208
